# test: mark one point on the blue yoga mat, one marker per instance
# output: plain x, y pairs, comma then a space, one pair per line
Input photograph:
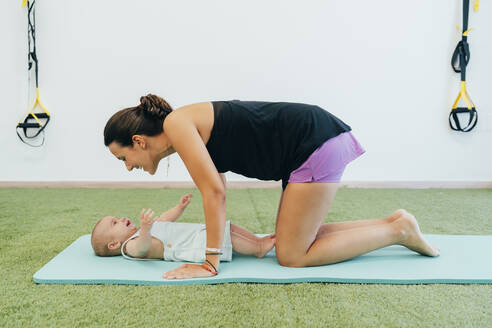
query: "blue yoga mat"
464, 260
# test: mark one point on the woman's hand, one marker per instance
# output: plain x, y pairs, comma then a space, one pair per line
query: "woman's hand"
187, 271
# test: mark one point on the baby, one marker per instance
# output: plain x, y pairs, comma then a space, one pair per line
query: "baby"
162, 238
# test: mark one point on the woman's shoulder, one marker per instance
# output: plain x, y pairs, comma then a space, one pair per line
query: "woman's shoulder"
199, 106
200, 115
194, 112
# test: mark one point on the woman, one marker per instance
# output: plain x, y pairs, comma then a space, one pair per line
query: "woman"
303, 145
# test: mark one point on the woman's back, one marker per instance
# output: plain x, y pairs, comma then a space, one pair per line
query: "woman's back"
267, 140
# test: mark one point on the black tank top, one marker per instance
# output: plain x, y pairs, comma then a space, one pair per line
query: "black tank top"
266, 140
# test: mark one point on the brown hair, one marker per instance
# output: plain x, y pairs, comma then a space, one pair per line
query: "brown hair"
145, 119
99, 244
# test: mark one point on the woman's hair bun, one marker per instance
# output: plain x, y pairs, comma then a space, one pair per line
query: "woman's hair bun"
154, 106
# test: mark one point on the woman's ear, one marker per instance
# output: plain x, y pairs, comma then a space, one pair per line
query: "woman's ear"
114, 245
139, 140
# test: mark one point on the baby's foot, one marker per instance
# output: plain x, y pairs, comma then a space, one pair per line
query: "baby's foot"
412, 237
265, 245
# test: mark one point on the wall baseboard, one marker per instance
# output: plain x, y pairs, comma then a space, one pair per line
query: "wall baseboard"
243, 184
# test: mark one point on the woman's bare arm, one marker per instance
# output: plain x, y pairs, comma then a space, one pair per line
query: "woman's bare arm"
185, 139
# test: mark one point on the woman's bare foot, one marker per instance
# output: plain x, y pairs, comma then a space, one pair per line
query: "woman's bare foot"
265, 245
395, 215
412, 238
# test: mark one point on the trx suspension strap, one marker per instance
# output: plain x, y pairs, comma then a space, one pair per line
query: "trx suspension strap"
460, 59
35, 122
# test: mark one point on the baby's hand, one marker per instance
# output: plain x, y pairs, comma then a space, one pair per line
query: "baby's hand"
146, 219
185, 200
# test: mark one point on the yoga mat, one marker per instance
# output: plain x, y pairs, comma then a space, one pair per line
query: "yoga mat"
464, 260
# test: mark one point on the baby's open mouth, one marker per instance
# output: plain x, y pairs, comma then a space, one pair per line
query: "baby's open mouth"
128, 222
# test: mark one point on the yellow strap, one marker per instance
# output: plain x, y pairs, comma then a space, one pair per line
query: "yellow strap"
475, 8
37, 102
40, 103
24, 2
467, 31
463, 93
36, 118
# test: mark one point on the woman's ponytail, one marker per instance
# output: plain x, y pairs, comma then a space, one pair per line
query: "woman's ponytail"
144, 119
154, 106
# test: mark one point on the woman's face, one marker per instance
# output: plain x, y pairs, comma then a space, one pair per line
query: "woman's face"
136, 157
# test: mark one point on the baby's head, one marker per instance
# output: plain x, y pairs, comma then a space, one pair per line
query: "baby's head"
110, 233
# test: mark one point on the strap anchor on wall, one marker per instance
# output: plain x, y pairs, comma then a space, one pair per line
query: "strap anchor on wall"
38, 116
459, 60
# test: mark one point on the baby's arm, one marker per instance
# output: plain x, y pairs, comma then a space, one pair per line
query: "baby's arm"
174, 213
140, 247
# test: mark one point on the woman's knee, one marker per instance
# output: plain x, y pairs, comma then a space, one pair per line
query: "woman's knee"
289, 261
289, 258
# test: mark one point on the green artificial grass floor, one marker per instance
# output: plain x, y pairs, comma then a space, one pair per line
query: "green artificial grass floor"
36, 224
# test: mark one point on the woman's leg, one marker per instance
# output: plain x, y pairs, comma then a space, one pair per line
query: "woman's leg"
247, 243
304, 207
347, 225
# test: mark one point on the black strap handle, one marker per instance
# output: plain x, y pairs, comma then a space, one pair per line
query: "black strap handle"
26, 125
459, 61
472, 121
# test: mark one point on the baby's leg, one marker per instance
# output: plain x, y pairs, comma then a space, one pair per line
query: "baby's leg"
247, 243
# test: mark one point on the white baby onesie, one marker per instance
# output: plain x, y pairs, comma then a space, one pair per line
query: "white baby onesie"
184, 241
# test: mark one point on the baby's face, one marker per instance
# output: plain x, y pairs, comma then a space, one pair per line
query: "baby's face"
117, 228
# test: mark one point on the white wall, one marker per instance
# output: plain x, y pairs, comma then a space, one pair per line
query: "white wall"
381, 66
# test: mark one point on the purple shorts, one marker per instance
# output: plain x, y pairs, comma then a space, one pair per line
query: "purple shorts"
327, 163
